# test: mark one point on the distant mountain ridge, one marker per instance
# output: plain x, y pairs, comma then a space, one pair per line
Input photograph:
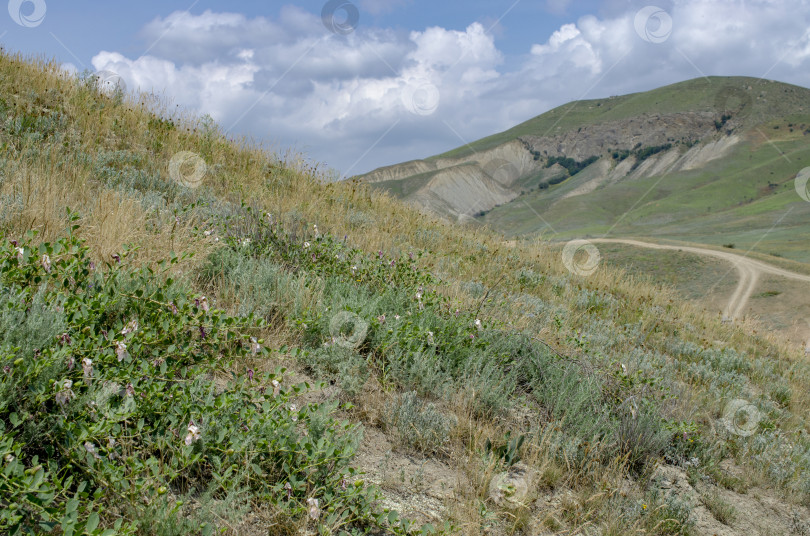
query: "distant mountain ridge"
554, 165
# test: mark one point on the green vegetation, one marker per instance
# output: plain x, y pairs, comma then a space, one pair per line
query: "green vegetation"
570, 164
109, 393
181, 360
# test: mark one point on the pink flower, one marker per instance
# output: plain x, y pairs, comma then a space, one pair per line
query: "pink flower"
250, 374
204, 303
130, 390
288, 489
46, 263
381, 319
173, 308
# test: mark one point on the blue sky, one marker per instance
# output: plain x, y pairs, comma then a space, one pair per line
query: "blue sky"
408, 78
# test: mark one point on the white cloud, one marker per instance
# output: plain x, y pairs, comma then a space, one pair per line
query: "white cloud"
293, 82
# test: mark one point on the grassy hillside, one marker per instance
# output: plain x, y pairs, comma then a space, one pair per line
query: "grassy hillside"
745, 196
222, 342
737, 199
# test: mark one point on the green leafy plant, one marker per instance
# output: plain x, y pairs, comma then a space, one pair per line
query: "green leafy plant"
507, 450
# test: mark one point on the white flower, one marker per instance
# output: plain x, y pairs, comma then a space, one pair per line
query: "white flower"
9, 458
204, 303
193, 433
20, 254
396, 317
419, 295
87, 368
314, 510
317, 234
64, 394
293, 410
478, 325
121, 350
208, 233
245, 242
91, 448
306, 245
430, 338
276, 387
131, 327
255, 347
46, 263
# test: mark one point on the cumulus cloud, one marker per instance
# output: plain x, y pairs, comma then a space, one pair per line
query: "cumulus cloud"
379, 96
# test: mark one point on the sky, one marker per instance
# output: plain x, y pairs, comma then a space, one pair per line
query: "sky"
358, 84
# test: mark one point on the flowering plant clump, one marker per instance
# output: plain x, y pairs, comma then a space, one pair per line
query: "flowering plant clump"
109, 411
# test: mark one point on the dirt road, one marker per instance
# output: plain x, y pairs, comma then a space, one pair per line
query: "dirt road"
749, 271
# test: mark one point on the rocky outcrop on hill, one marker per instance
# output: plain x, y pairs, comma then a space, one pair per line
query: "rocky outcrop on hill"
466, 186
645, 130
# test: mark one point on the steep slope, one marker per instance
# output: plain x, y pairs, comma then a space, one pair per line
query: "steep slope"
199, 337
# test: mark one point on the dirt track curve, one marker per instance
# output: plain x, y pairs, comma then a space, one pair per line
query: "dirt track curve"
748, 269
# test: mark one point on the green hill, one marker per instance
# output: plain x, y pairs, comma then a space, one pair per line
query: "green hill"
200, 337
711, 160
